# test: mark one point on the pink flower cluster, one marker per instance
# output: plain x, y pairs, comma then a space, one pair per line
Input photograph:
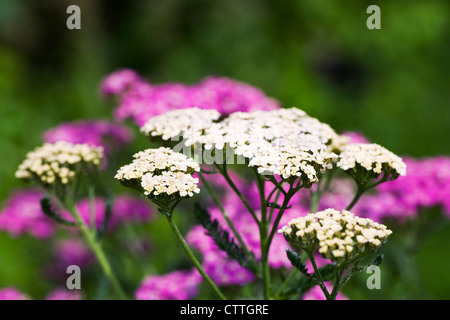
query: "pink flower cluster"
72, 252
64, 294
426, 185
126, 209
215, 262
177, 285
102, 133
140, 100
316, 293
22, 213
11, 293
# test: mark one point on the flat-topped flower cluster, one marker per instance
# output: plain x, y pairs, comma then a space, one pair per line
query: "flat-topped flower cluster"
161, 172
340, 236
371, 157
59, 163
285, 142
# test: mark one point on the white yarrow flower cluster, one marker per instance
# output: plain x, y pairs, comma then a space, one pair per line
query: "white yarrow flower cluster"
160, 172
169, 182
285, 141
371, 157
341, 237
59, 163
290, 162
186, 122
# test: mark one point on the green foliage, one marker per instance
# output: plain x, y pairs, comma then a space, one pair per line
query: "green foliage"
109, 202
297, 261
301, 284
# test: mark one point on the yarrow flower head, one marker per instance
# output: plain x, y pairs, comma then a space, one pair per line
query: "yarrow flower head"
341, 237
161, 174
369, 160
285, 142
189, 122
55, 166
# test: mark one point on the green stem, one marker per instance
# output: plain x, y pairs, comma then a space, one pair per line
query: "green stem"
315, 197
337, 285
192, 257
227, 218
263, 237
98, 251
363, 187
358, 195
318, 275
272, 210
284, 205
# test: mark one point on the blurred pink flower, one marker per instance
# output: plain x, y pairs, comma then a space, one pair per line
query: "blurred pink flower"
64, 294
118, 82
11, 293
316, 293
109, 135
140, 100
22, 214
176, 285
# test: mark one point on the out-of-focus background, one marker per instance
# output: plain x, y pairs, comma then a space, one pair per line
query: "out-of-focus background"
393, 84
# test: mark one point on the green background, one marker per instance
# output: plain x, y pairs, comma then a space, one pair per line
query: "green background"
392, 84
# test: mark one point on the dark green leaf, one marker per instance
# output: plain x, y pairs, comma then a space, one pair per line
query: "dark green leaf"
378, 260
222, 238
109, 202
297, 262
46, 206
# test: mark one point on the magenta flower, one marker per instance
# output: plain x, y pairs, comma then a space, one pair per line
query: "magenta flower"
111, 136
118, 82
227, 96
72, 252
222, 270
11, 293
317, 294
427, 184
176, 285
22, 214
64, 294
140, 100
355, 137
126, 209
